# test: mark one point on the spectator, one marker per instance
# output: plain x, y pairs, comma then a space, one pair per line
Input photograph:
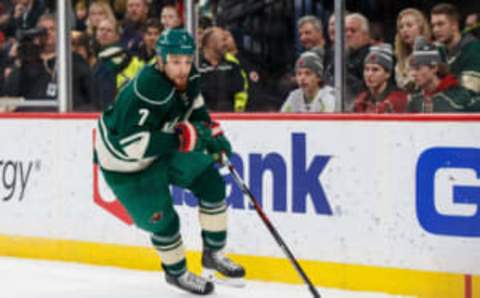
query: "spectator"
135, 18
222, 84
410, 23
203, 24
329, 61
81, 46
440, 92
170, 18
119, 8
312, 96
357, 37
9, 54
249, 71
382, 96
156, 8
38, 69
472, 20
377, 33
463, 52
6, 13
331, 29
3, 65
81, 15
472, 24
36, 54
27, 13
115, 67
151, 33
310, 31
97, 12
84, 92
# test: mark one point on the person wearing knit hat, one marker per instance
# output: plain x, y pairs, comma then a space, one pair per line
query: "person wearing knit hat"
425, 53
381, 54
312, 61
382, 95
440, 91
312, 95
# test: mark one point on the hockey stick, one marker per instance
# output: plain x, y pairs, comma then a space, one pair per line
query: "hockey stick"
270, 226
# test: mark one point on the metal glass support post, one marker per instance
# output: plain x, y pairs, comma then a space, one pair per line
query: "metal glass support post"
64, 57
339, 52
191, 20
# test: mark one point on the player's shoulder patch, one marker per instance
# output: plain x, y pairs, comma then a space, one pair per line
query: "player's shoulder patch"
151, 86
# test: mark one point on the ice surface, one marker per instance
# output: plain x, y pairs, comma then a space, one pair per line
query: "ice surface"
23, 278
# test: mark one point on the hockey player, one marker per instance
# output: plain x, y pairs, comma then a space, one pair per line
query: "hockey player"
159, 133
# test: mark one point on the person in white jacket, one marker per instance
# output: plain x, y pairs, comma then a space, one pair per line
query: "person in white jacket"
312, 96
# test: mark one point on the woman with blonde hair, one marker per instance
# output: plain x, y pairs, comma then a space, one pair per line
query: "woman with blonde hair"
98, 11
411, 23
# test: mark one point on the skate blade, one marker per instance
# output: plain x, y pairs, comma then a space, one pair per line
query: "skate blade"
222, 280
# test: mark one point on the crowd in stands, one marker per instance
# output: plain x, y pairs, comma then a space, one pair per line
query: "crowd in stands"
433, 65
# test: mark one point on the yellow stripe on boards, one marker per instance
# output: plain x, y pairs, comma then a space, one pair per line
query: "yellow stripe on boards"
422, 284
133, 257
414, 283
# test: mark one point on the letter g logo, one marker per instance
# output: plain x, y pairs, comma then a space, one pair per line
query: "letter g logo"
448, 191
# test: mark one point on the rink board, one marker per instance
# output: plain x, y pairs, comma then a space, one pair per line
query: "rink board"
367, 203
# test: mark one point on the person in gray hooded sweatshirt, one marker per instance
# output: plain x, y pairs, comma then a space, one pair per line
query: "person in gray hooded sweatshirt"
312, 96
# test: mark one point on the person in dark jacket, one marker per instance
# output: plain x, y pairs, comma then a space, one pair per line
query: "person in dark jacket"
472, 24
222, 83
115, 66
135, 18
26, 14
151, 32
357, 37
39, 72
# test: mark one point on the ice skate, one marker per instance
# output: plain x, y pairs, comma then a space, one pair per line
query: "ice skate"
191, 283
220, 269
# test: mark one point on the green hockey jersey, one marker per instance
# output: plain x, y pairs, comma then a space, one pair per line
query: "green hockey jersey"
464, 62
449, 97
139, 126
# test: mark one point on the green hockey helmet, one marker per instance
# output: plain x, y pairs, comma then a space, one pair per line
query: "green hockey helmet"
175, 41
